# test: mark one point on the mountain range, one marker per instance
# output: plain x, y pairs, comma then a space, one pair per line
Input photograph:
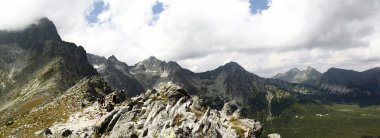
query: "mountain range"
40, 72
348, 85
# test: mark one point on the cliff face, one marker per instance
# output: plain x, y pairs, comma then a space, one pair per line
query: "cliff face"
168, 111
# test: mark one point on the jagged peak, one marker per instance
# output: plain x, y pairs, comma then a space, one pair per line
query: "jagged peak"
113, 58
150, 60
44, 28
295, 70
232, 66
41, 30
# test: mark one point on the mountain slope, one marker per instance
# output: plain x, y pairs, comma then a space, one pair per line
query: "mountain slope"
308, 76
35, 66
59, 109
352, 84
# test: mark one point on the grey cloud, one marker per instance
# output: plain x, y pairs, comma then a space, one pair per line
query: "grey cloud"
345, 24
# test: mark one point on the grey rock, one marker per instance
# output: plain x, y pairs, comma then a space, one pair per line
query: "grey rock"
47, 131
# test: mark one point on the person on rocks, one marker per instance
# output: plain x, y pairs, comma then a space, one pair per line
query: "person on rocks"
99, 99
114, 98
103, 101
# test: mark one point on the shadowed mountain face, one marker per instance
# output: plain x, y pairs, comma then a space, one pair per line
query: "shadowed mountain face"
152, 70
36, 65
308, 76
351, 83
339, 84
116, 73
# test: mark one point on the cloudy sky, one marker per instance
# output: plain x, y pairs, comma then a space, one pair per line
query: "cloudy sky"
264, 36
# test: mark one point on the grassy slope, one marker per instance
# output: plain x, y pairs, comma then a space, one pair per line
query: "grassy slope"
343, 121
59, 110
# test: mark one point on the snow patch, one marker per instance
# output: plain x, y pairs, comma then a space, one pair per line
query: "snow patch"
97, 66
151, 71
164, 74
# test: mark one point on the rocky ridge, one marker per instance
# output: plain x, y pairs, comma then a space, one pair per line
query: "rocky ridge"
168, 111
81, 95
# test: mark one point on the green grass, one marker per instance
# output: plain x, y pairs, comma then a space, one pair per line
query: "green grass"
343, 121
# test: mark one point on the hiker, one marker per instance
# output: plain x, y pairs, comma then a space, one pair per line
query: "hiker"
99, 99
103, 100
114, 98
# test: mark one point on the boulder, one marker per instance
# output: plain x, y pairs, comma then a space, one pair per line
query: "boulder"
66, 133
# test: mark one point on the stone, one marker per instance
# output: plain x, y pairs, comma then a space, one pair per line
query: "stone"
66, 133
47, 131
274, 135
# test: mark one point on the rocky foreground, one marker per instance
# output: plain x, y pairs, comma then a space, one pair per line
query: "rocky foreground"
168, 111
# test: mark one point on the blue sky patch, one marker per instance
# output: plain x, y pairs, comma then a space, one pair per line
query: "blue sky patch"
99, 7
157, 8
258, 5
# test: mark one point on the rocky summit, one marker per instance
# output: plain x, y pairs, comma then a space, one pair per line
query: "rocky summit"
168, 111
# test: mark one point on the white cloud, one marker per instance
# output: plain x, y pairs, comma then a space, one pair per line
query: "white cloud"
203, 34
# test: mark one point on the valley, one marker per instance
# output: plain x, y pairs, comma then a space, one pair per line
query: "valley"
315, 120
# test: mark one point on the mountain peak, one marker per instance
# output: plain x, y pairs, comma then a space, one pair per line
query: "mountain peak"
295, 70
112, 58
152, 58
44, 29
232, 66
295, 75
232, 63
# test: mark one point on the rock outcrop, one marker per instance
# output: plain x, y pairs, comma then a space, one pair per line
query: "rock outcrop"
168, 111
